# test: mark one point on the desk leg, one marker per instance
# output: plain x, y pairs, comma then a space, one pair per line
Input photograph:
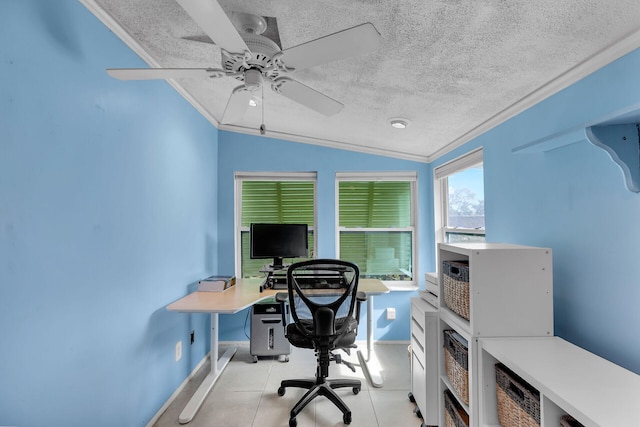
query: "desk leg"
370, 365
217, 366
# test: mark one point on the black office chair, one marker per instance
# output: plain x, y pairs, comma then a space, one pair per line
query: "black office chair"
325, 305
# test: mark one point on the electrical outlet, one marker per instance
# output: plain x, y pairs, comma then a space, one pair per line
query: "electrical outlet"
391, 313
178, 350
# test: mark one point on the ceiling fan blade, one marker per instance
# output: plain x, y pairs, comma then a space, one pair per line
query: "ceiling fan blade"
212, 19
164, 73
306, 96
237, 105
201, 39
354, 41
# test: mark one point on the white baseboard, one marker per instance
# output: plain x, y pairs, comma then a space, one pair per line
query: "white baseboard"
175, 394
362, 344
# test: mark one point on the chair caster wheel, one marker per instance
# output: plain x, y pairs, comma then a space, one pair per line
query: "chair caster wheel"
346, 418
293, 422
356, 390
411, 398
281, 391
255, 359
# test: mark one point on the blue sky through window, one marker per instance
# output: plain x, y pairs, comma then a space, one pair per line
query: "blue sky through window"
472, 178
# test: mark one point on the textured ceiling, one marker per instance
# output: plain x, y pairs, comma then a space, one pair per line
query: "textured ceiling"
452, 67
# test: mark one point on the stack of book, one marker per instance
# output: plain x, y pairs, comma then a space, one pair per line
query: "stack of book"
216, 283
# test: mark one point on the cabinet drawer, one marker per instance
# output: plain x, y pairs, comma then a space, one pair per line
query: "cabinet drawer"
417, 314
417, 329
418, 379
417, 348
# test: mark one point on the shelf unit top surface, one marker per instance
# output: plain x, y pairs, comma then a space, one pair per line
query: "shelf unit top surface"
484, 246
583, 384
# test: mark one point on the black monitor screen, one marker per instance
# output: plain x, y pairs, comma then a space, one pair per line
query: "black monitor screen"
279, 241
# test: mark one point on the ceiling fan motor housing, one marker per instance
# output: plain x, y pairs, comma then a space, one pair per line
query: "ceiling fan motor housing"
262, 50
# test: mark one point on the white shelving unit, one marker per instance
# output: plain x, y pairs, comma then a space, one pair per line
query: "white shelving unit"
571, 380
511, 295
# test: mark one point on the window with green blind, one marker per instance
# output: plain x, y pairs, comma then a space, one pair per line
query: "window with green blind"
281, 199
376, 224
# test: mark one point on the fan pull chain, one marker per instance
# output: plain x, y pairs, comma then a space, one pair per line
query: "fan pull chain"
263, 128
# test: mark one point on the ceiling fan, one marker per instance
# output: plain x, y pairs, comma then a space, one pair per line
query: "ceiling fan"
256, 60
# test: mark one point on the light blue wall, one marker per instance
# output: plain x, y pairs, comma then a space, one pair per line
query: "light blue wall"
574, 200
244, 153
108, 208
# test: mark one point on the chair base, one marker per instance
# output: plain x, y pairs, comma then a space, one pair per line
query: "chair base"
320, 387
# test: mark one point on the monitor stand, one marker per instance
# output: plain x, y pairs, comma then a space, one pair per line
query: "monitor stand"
276, 275
277, 264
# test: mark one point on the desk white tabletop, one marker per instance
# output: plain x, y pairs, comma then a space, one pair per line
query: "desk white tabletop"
244, 294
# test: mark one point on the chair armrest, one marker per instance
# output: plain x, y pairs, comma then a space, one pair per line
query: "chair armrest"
360, 298
282, 297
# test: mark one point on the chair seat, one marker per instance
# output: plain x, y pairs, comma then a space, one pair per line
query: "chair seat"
297, 339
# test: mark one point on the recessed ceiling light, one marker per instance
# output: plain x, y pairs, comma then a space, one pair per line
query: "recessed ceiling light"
399, 123
252, 103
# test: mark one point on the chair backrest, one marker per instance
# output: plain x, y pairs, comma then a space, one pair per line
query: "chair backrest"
322, 296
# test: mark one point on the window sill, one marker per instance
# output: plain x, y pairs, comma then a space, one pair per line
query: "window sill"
400, 286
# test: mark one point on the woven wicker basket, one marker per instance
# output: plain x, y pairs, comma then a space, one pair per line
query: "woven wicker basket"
456, 364
569, 421
454, 414
455, 276
518, 402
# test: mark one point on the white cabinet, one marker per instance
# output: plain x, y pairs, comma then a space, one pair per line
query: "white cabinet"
571, 380
511, 289
511, 295
424, 359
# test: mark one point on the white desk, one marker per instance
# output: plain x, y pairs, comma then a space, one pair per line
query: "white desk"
244, 294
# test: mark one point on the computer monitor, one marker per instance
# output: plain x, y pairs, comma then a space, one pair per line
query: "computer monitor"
279, 241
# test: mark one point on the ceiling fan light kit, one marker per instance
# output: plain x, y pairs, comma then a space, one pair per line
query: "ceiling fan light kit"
254, 59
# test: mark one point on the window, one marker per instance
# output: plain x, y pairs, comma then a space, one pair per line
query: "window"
376, 224
459, 199
287, 198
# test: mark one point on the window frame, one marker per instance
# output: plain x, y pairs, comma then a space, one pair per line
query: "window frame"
402, 176
441, 194
240, 177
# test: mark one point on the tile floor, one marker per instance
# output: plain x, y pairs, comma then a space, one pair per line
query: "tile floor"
246, 393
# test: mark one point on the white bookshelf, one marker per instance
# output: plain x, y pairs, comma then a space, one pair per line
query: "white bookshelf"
571, 380
511, 295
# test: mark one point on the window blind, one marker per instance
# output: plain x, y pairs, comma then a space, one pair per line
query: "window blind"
374, 204
289, 202
461, 163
